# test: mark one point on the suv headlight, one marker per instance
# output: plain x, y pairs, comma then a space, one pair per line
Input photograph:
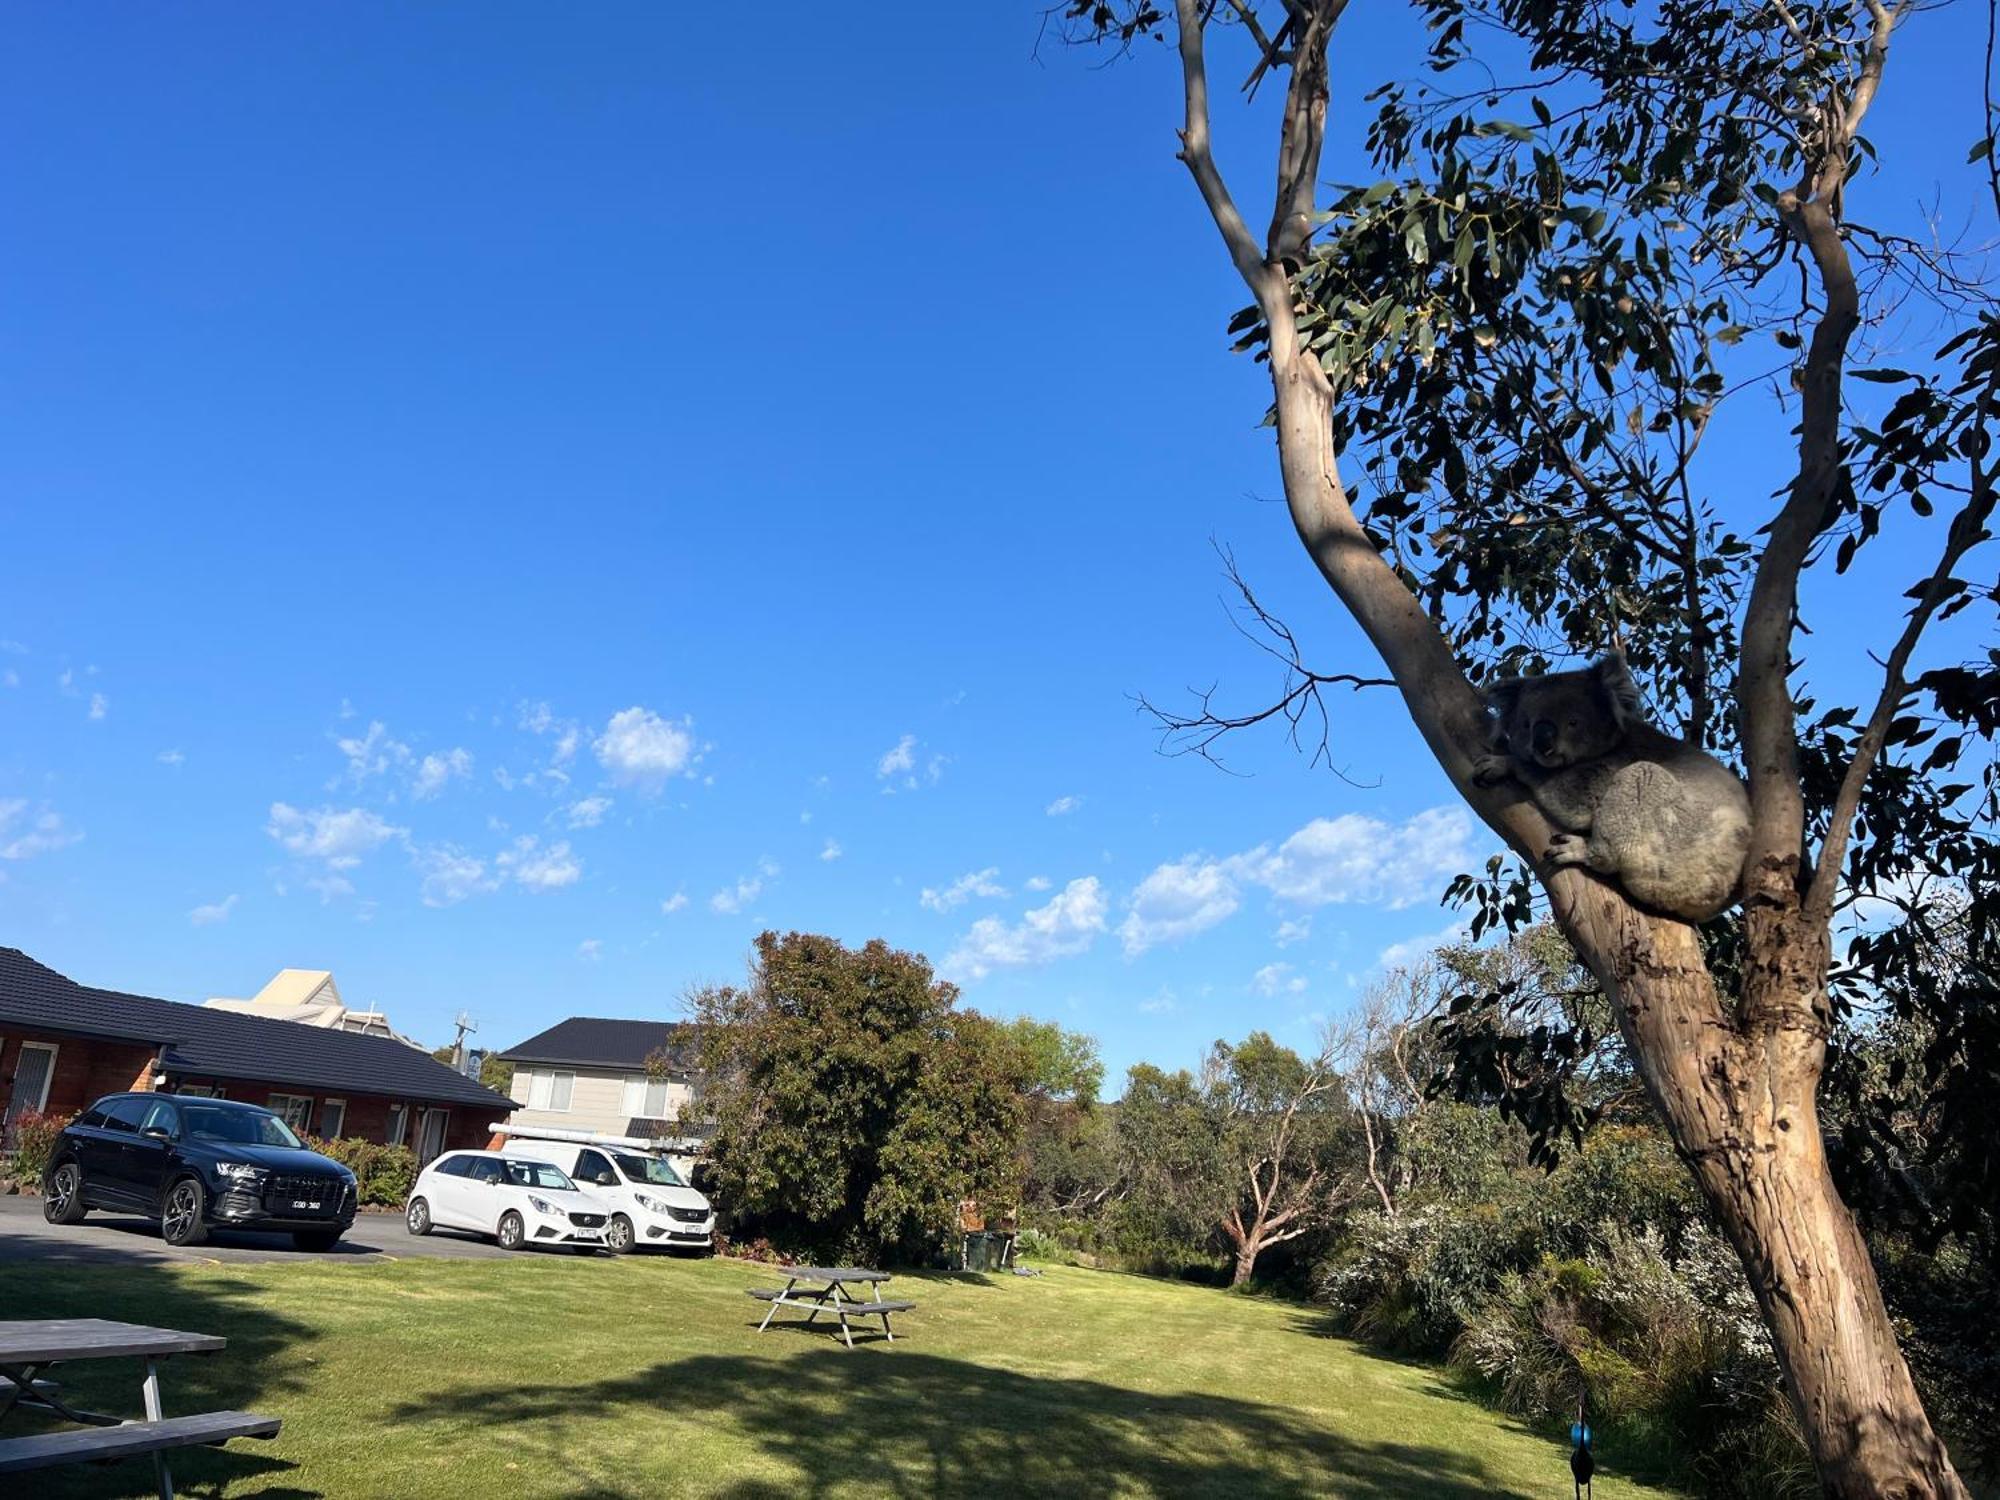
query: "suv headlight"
657, 1205
543, 1206
242, 1174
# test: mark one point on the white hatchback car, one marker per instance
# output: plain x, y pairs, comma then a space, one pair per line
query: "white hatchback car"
517, 1202
651, 1204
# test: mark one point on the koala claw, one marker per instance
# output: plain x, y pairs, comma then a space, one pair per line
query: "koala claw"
1491, 770
1567, 849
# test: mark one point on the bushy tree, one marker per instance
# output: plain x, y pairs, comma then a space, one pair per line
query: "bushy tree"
854, 1104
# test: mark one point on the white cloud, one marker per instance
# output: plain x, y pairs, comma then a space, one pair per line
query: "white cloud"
450, 875
99, 705
831, 852
1411, 950
1062, 807
438, 768
1362, 859
1067, 925
980, 883
674, 902
1161, 1002
208, 916
1293, 930
170, 758
590, 950
330, 888
540, 868
339, 837
1036, 883
641, 749
44, 834
372, 753
732, 899
1278, 979
1177, 901
900, 760
898, 766
1330, 861
588, 812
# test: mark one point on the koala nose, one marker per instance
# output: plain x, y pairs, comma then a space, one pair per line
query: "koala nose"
1544, 734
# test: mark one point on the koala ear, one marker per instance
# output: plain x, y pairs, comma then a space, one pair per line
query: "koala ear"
1620, 691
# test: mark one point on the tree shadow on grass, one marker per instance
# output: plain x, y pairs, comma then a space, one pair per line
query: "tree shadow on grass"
254, 1373
920, 1425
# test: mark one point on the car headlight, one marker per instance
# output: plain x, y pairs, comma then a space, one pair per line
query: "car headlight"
543, 1206
241, 1173
657, 1205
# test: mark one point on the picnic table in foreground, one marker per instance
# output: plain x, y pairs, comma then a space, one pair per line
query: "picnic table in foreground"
826, 1289
28, 1350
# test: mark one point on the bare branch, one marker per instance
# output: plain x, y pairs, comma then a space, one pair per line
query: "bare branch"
1200, 159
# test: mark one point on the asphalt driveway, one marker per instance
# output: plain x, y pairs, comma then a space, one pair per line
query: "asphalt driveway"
110, 1239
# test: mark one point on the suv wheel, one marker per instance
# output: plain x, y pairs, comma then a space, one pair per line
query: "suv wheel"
618, 1236
512, 1231
62, 1195
182, 1218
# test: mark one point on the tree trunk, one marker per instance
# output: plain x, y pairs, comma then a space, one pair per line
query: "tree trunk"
1246, 1262
1738, 1097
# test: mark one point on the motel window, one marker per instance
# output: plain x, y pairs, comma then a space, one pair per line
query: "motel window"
647, 1098
294, 1109
551, 1090
333, 1118
398, 1122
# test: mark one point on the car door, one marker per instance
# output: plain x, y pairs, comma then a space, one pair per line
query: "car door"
112, 1180
149, 1153
485, 1199
444, 1185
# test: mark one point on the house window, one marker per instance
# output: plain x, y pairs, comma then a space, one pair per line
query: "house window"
294, 1109
647, 1098
199, 1090
430, 1134
551, 1091
332, 1118
398, 1122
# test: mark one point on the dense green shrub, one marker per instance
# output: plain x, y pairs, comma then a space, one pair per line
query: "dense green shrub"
385, 1173
34, 1140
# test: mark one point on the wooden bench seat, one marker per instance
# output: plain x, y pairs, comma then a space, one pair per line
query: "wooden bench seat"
130, 1439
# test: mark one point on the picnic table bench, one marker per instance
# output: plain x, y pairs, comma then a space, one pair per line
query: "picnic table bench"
831, 1294
29, 1348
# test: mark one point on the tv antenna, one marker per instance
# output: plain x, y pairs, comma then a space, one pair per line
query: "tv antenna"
465, 1024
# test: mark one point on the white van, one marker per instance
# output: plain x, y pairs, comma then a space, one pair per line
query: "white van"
651, 1202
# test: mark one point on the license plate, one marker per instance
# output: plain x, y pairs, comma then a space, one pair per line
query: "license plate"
302, 1203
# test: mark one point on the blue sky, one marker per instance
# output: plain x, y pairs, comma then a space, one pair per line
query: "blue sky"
506, 502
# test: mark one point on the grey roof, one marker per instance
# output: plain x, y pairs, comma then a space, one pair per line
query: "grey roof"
227, 1044
599, 1042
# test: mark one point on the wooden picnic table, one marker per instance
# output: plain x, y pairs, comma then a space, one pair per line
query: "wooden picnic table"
31, 1348
828, 1291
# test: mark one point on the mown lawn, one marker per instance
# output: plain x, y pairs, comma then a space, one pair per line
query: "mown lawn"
547, 1376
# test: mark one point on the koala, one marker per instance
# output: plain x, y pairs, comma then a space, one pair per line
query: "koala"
1664, 821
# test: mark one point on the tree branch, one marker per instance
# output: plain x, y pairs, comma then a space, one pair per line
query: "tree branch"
1200, 159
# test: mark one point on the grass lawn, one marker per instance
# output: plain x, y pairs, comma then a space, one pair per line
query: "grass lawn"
548, 1376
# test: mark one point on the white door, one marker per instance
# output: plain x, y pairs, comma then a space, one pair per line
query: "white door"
448, 1194
33, 1069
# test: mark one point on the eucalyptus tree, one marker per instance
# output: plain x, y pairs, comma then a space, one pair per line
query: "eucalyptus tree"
1611, 230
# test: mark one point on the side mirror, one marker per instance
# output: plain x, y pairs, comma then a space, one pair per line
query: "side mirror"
157, 1133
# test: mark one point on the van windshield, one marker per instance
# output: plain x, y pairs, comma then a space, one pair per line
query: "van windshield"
538, 1174
648, 1169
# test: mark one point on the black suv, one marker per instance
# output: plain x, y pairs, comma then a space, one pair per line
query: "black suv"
197, 1164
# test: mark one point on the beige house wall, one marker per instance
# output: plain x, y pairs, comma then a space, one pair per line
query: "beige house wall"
600, 1100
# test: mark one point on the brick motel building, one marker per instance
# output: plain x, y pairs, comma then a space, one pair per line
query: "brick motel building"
63, 1044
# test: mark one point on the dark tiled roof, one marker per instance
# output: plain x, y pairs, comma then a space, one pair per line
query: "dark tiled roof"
226, 1044
594, 1042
